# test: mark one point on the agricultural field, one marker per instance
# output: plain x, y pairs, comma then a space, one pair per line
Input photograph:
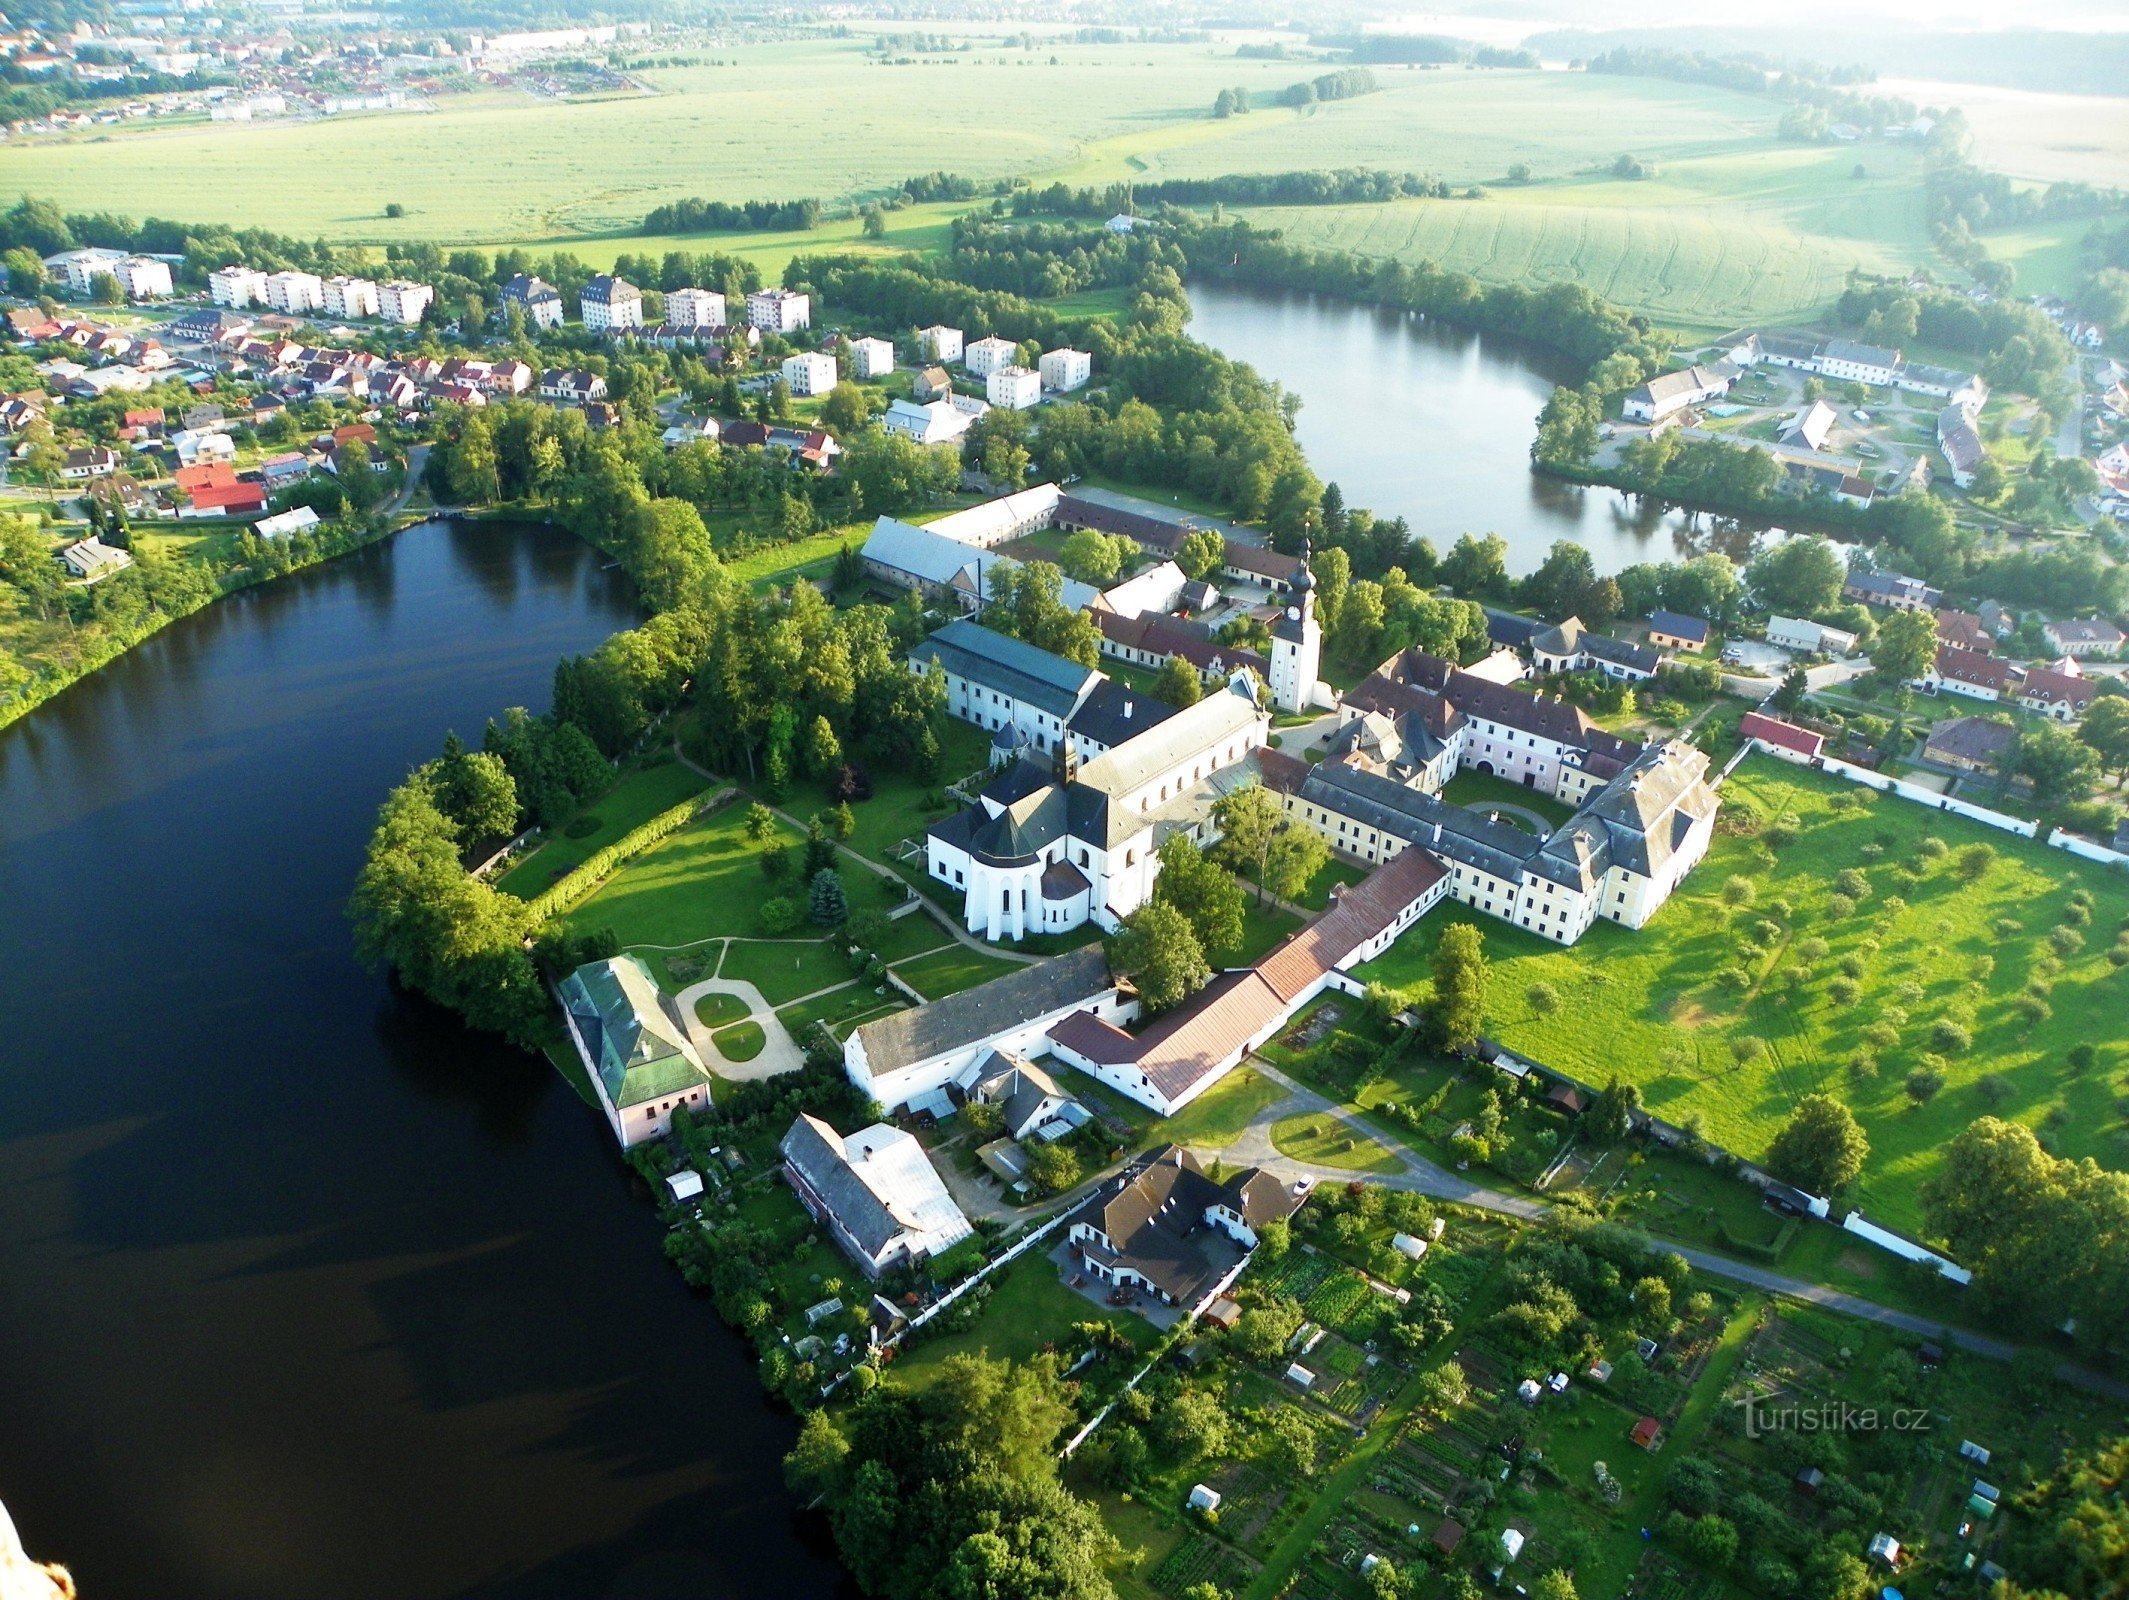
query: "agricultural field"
1726, 1015
2045, 137
813, 117
1762, 235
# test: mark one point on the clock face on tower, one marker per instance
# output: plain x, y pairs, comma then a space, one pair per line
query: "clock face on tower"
1293, 613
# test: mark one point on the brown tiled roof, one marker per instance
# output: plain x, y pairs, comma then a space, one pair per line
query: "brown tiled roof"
1163, 635
1963, 629
1265, 563
2045, 683
1758, 725
1361, 912
1971, 667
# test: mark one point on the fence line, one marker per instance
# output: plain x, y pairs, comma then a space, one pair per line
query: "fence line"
1929, 797
1226, 1282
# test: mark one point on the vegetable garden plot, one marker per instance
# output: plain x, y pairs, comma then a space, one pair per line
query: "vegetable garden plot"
1202, 1559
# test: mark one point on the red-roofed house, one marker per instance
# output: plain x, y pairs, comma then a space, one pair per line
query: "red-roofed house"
1782, 739
1963, 630
205, 475
1968, 672
2057, 693
225, 500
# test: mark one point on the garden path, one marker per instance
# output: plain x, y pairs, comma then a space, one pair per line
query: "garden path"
779, 1052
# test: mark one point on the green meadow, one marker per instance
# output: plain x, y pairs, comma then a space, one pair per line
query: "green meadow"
1662, 1008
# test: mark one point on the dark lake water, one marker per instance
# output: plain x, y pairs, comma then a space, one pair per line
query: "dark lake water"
303, 1289
1433, 424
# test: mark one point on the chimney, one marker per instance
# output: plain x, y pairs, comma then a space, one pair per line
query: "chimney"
1127, 710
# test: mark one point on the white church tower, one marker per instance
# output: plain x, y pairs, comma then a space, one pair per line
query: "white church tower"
1297, 645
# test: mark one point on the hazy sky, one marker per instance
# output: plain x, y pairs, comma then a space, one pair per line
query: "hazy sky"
1954, 15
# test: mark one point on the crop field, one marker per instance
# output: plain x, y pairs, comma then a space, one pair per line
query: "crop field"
1767, 235
1661, 1007
1736, 227
2045, 137
797, 118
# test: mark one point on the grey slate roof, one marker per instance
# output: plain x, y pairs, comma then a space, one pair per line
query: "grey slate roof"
1077, 977
1115, 712
815, 1150
1038, 678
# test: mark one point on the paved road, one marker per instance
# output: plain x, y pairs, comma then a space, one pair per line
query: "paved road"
1425, 1177
417, 459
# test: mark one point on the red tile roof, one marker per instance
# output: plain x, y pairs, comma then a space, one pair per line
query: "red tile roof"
234, 497
1758, 725
1971, 667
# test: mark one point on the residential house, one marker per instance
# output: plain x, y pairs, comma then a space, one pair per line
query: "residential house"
608, 304
1030, 1104
1783, 740
1064, 370
1570, 647
207, 326
808, 373
871, 358
1153, 639
1970, 673
1964, 630
572, 386
1120, 223
82, 465
1968, 744
1170, 1230
1952, 385
636, 1048
1664, 396
403, 301
91, 560
2060, 692
912, 1060
1810, 638
1892, 589
933, 383
937, 422
779, 310
350, 297
1960, 444
987, 356
942, 568
2080, 637
1013, 388
1674, 630
694, 308
284, 524
939, 344
540, 300
1812, 427
875, 1192
278, 472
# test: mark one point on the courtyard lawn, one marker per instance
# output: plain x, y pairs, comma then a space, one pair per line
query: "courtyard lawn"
779, 561
1490, 789
1321, 1138
898, 805
840, 1009
1030, 1307
785, 969
696, 884
1661, 1007
1218, 1116
715, 1010
1262, 928
631, 802
910, 936
953, 969
742, 1041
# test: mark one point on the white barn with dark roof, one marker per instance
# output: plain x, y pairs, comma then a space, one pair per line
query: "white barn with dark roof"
875, 1192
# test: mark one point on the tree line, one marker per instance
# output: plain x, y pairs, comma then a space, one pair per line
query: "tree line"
728, 216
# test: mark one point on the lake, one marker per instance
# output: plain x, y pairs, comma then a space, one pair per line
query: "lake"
305, 1290
1414, 419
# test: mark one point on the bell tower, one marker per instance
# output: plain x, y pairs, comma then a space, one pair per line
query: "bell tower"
1297, 644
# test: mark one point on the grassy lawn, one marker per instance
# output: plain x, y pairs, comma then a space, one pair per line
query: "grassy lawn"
785, 969
897, 808
695, 884
1487, 788
715, 1010
778, 561
1324, 1140
953, 969
742, 1041
1092, 303
841, 1009
1219, 1115
910, 936
1652, 1006
1262, 928
1029, 1308
631, 802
